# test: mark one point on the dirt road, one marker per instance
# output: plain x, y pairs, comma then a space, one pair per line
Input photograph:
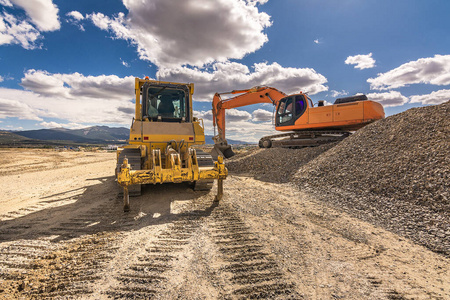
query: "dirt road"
63, 234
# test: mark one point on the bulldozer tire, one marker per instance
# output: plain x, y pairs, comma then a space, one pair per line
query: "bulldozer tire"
134, 160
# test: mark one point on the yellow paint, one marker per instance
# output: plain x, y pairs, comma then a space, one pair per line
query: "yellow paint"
166, 147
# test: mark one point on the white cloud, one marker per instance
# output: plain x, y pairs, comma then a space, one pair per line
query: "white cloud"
75, 15
262, 115
43, 13
13, 127
316, 41
205, 115
103, 22
243, 129
14, 31
125, 63
15, 109
51, 125
436, 97
254, 2
335, 93
189, 32
1, 78
236, 115
5, 3
389, 99
362, 61
231, 115
72, 97
231, 76
431, 70
76, 85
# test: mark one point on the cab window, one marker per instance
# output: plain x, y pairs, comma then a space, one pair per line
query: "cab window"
167, 103
300, 105
290, 109
285, 112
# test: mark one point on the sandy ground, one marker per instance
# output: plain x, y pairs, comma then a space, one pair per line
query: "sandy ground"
63, 234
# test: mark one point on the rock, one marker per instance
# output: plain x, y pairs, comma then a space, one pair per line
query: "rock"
397, 167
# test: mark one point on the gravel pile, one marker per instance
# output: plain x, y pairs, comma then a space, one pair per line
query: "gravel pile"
276, 165
394, 172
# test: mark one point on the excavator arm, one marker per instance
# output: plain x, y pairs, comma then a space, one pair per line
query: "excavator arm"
255, 95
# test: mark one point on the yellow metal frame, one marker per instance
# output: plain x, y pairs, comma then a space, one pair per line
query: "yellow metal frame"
164, 161
172, 173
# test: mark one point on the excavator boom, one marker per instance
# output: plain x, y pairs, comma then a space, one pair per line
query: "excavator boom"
255, 95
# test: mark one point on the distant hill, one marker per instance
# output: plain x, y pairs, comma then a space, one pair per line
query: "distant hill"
104, 133
7, 137
54, 135
89, 135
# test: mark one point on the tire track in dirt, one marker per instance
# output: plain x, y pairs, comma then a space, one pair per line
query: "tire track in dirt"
42, 268
45, 260
245, 269
253, 273
146, 278
329, 254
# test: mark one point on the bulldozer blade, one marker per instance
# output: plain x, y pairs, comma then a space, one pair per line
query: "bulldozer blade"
224, 151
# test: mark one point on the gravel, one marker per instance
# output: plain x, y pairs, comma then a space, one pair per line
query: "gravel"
277, 165
394, 173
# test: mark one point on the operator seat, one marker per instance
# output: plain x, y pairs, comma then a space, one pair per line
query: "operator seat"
165, 107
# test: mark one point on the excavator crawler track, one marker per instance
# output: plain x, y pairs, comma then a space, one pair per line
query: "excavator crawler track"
306, 138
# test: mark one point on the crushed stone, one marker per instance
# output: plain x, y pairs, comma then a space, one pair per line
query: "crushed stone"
393, 172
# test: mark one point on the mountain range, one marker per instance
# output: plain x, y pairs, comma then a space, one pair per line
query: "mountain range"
89, 135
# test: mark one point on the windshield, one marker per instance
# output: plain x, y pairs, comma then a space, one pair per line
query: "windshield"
166, 102
285, 110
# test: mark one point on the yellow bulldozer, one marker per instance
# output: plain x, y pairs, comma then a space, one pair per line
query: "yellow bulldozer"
162, 135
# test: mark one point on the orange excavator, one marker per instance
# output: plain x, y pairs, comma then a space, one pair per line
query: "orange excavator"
307, 125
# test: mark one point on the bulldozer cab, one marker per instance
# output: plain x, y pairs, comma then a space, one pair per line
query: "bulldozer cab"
165, 102
291, 108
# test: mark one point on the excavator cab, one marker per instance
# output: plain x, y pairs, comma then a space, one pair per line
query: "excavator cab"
291, 108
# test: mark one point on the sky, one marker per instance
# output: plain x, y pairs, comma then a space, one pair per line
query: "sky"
72, 64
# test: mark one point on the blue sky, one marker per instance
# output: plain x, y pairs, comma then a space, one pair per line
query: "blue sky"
72, 63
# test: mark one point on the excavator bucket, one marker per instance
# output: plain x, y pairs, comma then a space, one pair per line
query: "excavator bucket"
222, 150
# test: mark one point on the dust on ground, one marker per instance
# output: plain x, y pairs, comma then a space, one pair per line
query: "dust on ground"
63, 234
